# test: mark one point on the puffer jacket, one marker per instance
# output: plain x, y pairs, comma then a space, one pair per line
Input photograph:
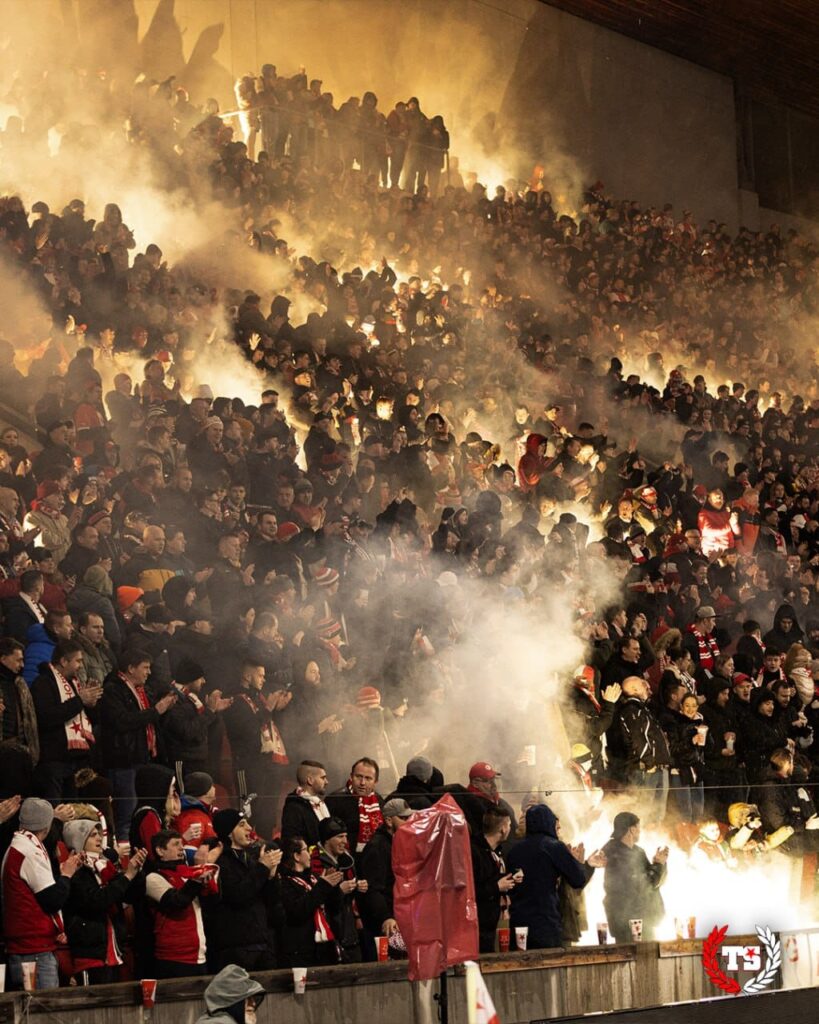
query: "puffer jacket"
40, 646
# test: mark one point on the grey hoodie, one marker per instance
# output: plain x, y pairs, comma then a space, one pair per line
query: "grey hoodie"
230, 986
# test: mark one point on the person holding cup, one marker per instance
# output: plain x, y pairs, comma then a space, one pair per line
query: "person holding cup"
723, 776
686, 733
493, 883
632, 882
544, 860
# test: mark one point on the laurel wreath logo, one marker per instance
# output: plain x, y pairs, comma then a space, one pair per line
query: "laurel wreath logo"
773, 951
710, 961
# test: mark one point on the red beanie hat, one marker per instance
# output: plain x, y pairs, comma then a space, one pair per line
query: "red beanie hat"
127, 596
46, 488
368, 697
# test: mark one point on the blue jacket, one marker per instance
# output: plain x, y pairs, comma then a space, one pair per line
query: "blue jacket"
544, 860
39, 648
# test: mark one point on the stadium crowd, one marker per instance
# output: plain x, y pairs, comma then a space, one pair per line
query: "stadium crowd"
258, 606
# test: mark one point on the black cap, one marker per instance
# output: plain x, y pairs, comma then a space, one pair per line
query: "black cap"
330, 827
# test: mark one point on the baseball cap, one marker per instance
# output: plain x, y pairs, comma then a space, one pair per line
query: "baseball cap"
705, 611
396, 808
483, 770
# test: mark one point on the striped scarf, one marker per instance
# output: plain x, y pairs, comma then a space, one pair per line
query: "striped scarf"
370, 818
78, 732
707, 649
323, 931
144, 702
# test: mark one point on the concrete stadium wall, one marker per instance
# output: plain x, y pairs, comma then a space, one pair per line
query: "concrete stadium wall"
517, 81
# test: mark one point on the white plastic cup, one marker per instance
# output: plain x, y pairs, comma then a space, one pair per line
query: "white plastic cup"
729, 743
2, 977
299, 980
530, 755
702, 730
29, 968
521, 936
636, 925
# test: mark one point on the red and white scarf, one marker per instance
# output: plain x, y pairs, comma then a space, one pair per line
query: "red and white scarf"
323, 932
78, 732
370, 817
707, 648
192, 697
144, 702
319, 806
270, 739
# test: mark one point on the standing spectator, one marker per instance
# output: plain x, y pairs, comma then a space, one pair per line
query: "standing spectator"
98, 660
638, 749
308, 903
304, 808
64, 721
492, 881
631, 883
722, 775
187, 724
358, 804
41, 641
129, 722
375, 865
333, 854
174, 890
19, 741
25, 609
195, 818
94, 920
32, 898
240, 923
544, 861
700, 642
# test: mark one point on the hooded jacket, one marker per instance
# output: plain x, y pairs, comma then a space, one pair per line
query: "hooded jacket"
531, 466
40, 646
225, 996
776, 637
544, 860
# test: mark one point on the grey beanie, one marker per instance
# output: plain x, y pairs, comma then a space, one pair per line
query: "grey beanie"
420, 768
36, 814
75, 833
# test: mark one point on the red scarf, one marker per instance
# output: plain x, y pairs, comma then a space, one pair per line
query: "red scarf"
323, 933
270, 739
144, 703
707, 648
370, 817
588, 690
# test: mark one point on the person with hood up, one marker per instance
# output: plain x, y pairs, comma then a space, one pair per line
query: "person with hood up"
632, 883
93, 596
786, 630
544, 860
722, 775
533, 463
762, 733
232, 997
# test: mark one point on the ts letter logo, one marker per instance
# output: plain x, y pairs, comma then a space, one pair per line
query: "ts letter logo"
741, 958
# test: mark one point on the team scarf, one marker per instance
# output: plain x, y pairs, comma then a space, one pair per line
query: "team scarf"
586, 687
144, 703
370, 817
323, 931
270, 739
319, 806
707, 648
192, 697
78, 732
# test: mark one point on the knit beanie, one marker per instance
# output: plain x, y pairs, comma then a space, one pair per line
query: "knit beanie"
36, 814
75, 833
128, 596
420, 768
188, 671
47, 488
224, 822
197, 784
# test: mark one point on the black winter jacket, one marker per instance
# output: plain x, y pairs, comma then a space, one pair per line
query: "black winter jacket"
88, 911
124, 722
249, 907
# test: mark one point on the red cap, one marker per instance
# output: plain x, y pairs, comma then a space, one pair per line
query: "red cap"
700, 491
127, 596
483, 770
368, 697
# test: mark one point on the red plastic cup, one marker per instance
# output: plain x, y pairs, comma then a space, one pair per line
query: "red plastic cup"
382, 942
148, 993
503, 940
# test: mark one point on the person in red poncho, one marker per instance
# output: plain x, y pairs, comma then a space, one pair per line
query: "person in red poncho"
718, 526
533, 463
